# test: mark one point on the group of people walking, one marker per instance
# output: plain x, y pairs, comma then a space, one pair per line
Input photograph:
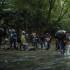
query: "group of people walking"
36, 40
42, 40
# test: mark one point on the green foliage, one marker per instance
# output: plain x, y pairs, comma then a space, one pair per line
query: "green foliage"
39, 15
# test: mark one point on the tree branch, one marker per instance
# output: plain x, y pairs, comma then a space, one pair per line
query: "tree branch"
51, 3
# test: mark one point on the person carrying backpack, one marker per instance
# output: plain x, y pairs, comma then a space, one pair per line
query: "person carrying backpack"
13, 38
60, 40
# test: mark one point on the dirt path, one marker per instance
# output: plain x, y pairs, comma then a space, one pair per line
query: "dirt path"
33, 60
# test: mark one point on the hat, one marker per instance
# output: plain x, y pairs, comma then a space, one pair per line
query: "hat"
23, 32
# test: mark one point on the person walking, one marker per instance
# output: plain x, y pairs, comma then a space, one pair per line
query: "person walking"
13, 38
1, 35
60, 40
41, 40
24, 44
34, 39
47, 40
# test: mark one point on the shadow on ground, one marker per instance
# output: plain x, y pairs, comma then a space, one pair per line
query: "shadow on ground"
33, 60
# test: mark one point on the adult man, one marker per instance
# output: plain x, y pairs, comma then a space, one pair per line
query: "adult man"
60, 40
41, 40
1, 35
47, 40
13, 38
34, 40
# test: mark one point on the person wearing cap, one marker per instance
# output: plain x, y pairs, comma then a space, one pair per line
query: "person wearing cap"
24, 43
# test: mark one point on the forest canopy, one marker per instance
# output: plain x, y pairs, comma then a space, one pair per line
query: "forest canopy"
35, 15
